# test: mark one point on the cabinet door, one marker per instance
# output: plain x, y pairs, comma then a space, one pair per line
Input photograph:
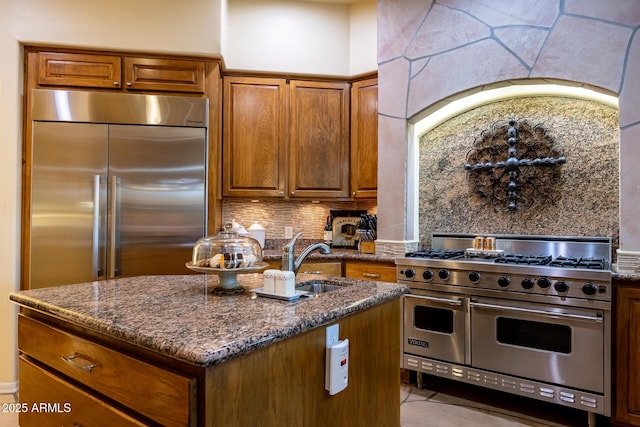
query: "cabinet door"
159, 74
254, 137
627, 407
364, 139
319, 140
79, 70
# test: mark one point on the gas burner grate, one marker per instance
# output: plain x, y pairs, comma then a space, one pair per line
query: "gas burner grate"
573, 262
435, 254
524, 259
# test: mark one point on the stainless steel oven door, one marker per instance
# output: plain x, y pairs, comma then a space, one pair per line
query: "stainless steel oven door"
560, 345
434, 325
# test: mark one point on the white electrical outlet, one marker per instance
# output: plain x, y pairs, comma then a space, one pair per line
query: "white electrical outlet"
288, 232
333, 333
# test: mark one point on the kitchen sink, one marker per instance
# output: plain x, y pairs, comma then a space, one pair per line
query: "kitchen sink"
318, 286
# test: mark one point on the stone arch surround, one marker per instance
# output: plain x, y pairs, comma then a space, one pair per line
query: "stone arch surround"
429, 51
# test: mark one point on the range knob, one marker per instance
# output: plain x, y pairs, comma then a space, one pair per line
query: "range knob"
561, 286
504, 281
443, 274
409, 273
589, 288
474, 276
527, 283
544, 283
427, 275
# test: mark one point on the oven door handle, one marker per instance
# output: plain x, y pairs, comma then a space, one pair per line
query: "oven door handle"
457, 302
596, 319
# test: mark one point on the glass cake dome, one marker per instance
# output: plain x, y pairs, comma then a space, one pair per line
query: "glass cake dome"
226, 255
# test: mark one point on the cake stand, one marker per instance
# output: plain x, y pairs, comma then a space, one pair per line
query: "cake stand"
228, 277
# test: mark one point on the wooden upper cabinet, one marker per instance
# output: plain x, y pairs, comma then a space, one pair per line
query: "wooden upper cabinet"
159, 74
107, 71
79, 70
319, 140
364, 139
254, 137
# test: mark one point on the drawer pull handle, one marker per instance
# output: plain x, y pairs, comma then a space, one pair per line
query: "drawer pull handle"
372, 275
79, 361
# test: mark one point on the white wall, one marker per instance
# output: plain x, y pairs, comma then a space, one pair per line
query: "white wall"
281, 36
301, 37
364, 35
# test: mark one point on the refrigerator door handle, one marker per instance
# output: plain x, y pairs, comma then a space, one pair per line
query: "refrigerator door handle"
97, 266
113, 232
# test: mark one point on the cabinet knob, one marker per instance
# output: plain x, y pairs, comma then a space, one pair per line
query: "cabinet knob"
282, 194
293, 193
129, 84
116, 83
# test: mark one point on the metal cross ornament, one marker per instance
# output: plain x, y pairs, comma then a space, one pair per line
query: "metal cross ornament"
501, 176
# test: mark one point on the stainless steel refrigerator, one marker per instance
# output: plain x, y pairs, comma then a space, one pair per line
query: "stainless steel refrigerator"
118, 185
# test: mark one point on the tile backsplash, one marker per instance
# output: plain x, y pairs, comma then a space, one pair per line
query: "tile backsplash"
275, 215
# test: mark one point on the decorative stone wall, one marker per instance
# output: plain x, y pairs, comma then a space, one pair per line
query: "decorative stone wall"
586, 193
430, 52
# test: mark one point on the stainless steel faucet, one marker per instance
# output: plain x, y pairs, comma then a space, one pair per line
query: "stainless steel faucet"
289, 261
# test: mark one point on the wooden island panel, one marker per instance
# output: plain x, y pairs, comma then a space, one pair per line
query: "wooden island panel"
284, 382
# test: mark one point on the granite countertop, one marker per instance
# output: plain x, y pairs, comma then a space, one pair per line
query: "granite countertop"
625, 276
179, 317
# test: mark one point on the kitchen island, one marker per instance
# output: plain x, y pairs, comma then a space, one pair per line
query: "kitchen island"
165, 350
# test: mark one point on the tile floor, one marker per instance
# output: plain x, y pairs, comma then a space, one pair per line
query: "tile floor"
443, 403
8, 419
446, 404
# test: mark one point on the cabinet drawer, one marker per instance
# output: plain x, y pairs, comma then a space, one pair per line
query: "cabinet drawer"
174, 75
384, 272
79, 70
161, 395
326, 268
47, 400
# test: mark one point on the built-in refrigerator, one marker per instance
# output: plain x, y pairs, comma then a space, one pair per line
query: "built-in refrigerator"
118, 185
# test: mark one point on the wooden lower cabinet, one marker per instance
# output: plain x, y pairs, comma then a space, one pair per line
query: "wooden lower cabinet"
139, 387
382, 271
327, 268
281, 384
361, 270
627, 366
48, 400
